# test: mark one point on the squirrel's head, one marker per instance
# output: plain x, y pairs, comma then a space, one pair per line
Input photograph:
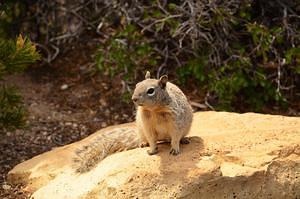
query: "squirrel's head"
151, 92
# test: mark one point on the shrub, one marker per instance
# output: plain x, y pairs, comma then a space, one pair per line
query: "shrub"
124, 52
12, 112
244, 53
240, 52
15, 56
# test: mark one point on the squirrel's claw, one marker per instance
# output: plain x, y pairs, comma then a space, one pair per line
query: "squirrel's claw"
144, 144
174, 151
152, 152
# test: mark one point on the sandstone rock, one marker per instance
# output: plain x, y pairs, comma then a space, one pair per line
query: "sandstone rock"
230, 156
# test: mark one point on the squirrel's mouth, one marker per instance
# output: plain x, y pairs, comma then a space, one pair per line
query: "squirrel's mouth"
138, 103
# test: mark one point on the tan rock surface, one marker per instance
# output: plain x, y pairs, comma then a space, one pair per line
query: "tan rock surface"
230, 156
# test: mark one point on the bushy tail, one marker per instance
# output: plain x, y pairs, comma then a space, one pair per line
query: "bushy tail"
106, 143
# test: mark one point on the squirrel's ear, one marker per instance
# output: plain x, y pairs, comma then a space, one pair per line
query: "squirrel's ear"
163, 81
147, 76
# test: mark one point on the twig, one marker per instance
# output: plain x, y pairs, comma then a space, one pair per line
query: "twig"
64, 36
161, 7
46, 50
286, 7
198, 105
55, 53
160, 21
206, 102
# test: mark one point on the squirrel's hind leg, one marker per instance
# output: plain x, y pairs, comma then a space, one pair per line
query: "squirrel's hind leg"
175, 143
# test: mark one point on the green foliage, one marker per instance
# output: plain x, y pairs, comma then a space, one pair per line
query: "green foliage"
12, 112
292, 53
196, 68
124, 52
263, 38
16, 55
292, 57
243, 53
244, 74
232, 82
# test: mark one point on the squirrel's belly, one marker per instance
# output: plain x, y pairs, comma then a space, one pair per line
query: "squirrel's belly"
162, 133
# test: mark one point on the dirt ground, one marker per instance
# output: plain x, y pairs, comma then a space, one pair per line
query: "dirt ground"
66, 101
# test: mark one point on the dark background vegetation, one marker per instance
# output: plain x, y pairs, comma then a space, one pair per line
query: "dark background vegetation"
76, 63
238, 55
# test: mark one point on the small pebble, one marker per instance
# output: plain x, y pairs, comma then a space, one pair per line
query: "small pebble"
44, 133
73, 137
68, 123
82, 133
6, 187
106, 112
103, 124
103, 102
64, 87
96, 119
104, 85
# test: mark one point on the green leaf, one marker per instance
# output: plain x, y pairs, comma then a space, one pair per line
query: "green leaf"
172, 6
292, 53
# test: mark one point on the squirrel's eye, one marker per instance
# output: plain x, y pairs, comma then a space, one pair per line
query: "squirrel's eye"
151, 91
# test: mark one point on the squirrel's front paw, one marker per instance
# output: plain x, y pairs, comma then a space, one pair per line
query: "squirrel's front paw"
152, 151
174, 151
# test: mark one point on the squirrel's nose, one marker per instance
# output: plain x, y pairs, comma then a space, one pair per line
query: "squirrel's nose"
134, 99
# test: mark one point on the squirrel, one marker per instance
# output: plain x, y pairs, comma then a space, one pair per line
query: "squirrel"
162, 107
163, 113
